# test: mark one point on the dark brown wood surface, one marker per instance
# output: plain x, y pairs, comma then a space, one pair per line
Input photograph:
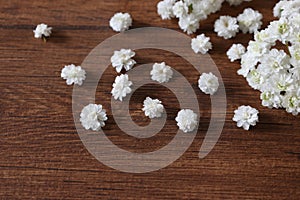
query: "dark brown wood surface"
42, 156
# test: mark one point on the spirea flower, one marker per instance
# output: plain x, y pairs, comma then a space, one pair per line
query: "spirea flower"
121, 87
245, 116
165, 9
187, 120
275, 73
189, 24
235, 52
123, 59
42, 31
153, 108
208, 83
93, 117
120, 22
226, 27
73, 74
201, 44
161, 72
250, 20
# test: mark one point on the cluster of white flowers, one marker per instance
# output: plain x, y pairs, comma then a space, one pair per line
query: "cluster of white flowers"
249, 21
42, 31
123, 59
153, 108
208, 83
93, 117
120, 22
187, 120
161, 72
121, 87
73, 74
245, 116
201, 44
191, 12
275, 73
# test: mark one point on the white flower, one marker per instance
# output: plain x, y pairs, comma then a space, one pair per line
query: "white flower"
161, 72
73, 74
245, 116
291, 102
226, 27
123, 59
189, 23
164, 9
153, 108
250, 20
42, 30
121, 87
93, 117
120, 22
235, 52
270, 99
208, 83
201, 44
187, 120
180, 9
236, 2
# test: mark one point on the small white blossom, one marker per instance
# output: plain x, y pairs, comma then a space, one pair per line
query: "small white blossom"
245, 116
123, 59
187, 120
120, 22
121, 87
161, 72
250, 20
208, 83
189, 24
226, 27
201, 44
42, 30
164, 9
153, 108
235, 52
73, 74
93, 117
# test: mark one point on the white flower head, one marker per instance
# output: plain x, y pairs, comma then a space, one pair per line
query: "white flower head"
73, 74
153, 108
245, 116
164, 9
208, 83
250, 20
161, 72
121, 87
189, 23
201, 44
120, 22
93, 117
123, 59
42, 30
235, 52
187, 120
226, 27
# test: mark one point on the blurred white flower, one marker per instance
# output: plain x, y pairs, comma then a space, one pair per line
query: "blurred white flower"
120, 22
42, 30
164, 9
121, 87
153, 108
235, 52
245, 116
250, 20
123, 59
201, 44
73, 74
226, 27
187, 120
208, 83
161, 72
93, 117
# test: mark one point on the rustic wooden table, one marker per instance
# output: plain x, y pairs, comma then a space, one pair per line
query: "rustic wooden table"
42, 156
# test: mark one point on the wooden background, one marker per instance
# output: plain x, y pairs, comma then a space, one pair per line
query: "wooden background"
42, 156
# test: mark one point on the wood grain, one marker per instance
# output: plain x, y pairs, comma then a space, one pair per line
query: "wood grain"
42, 156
